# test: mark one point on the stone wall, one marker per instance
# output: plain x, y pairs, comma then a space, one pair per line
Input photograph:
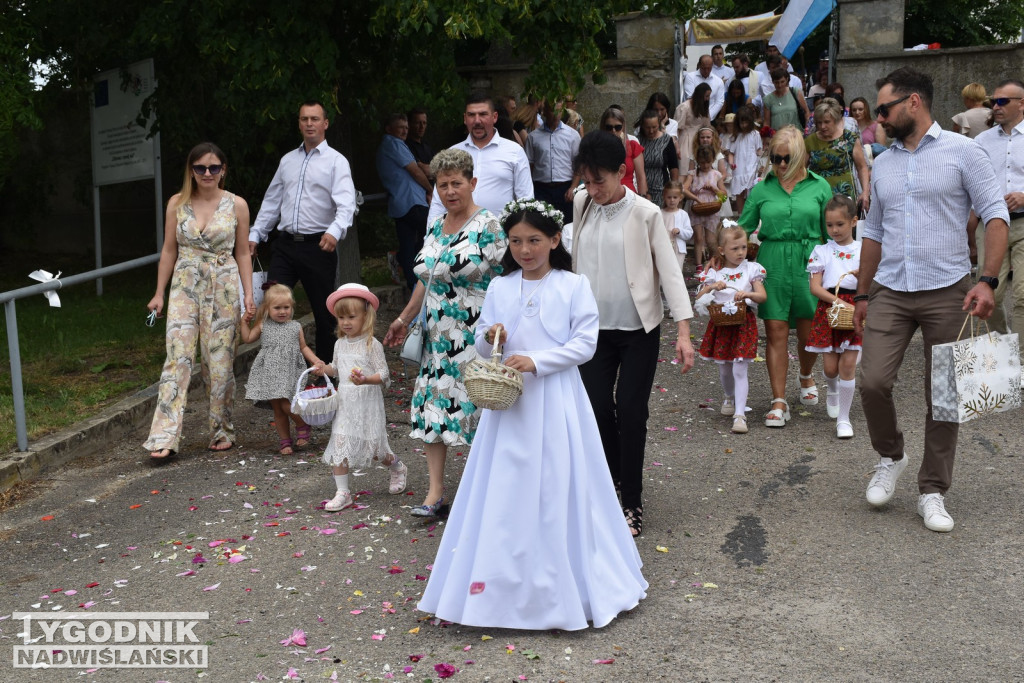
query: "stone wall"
871, 46
644, 66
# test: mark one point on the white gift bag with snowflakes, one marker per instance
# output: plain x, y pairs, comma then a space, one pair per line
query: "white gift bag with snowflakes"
975, 377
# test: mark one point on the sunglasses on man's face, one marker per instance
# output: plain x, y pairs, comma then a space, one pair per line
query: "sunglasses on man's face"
1003, 101
883, 109
214, 169
779, 159
613, 127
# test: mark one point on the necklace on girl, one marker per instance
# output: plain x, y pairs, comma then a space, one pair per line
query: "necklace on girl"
532, 306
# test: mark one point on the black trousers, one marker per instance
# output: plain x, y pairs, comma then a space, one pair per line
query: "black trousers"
411, 229
631, 356
554, 194
317, 270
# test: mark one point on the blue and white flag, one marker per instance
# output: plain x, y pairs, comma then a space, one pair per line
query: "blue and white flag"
800, 18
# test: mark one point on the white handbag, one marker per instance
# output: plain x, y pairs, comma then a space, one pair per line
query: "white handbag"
415, 338
259, 278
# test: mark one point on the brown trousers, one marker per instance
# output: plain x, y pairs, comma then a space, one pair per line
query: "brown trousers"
893, 317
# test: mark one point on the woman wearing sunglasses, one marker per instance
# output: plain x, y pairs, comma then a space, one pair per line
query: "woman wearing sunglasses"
613, 121
206, 249
789, 205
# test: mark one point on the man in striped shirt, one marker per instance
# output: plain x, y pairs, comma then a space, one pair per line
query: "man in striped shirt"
915, 273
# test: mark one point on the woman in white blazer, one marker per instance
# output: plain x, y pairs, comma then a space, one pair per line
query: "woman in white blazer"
620, 244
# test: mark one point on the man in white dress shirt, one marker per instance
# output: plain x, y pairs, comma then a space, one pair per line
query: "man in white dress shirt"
500, 166
703, 75
1004, 145
312, 201
764, 70
718, 65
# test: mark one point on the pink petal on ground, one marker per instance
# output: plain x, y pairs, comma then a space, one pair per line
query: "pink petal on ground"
378, 636
328, 532
235, 559
603, 661
356, 611
190, 572
87, 605
212, 588
671, 429
444, 670
321, 650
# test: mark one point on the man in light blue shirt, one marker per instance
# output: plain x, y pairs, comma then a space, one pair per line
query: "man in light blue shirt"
915, 273
408, 192
312, 201
551, 150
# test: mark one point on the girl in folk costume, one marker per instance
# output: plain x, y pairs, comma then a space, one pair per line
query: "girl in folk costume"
840, 349
535, 539
733, 346
358, 434
279, 363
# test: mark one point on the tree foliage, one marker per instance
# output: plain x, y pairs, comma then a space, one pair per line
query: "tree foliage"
961, 23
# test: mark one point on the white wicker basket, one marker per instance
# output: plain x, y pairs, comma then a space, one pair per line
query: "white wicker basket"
492, 385
316, 405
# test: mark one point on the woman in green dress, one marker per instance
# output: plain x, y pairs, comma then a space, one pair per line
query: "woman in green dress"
789, 205
833, 152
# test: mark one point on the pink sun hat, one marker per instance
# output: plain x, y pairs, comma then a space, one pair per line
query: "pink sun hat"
353, 289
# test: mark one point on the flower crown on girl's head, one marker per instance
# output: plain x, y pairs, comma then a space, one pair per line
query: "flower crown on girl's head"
541, 207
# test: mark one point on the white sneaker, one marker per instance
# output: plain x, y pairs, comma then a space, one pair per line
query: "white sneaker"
739, 425
932, 507
342, 499
883, 482
844, 430
728, 406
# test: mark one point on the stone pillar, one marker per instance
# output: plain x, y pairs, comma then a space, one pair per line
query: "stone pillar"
870, 27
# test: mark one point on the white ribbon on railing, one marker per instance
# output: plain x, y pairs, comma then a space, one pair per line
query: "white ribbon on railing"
45, 276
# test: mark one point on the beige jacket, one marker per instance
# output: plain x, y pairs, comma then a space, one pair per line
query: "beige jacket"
650, 261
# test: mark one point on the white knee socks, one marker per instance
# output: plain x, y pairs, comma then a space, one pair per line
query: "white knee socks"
739, 377
725, 375
832, 397
846, 391
342, 481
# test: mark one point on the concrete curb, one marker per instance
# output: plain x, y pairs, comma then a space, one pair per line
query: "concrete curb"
114, 422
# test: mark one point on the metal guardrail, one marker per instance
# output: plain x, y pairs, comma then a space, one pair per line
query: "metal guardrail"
8, 299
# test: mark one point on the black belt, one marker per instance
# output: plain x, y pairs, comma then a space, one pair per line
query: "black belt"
844, 290
302, 236
555, 184
1016, 216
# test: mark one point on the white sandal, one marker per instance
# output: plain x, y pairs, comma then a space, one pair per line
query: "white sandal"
777, 417
809, 395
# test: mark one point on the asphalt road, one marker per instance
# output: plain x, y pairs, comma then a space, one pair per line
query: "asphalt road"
765, 561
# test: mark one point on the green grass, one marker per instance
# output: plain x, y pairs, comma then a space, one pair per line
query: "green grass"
94, 351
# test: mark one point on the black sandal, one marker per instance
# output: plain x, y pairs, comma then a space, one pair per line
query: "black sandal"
634, 520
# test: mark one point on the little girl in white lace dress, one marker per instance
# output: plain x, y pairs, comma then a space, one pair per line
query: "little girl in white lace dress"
359, 432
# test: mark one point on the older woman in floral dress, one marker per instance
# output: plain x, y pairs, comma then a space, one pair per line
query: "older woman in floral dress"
463, 250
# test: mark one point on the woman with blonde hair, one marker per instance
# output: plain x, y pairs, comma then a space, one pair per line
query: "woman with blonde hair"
835, 154
975, 119
789, 205
206, 249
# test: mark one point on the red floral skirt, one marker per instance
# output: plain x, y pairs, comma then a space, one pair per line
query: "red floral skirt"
730, 342
825, 339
